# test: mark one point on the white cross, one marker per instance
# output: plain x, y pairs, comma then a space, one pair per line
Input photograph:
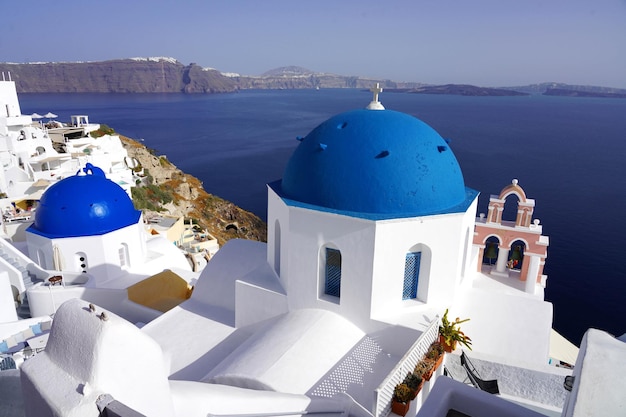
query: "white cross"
376, 90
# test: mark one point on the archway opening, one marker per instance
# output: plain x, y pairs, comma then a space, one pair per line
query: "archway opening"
516, 255
511, 204
492, 248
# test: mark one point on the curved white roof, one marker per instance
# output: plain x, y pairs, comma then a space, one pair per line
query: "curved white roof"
290, 354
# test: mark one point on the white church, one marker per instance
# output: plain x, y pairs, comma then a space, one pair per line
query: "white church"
372, 235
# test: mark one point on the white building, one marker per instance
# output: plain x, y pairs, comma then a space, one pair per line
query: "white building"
35, 155
87, 241
372, 235
87, 228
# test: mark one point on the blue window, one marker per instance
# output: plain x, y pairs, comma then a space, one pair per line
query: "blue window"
332, 285
411, 275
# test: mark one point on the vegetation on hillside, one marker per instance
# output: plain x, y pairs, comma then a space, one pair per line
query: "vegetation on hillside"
167, 190
103, 130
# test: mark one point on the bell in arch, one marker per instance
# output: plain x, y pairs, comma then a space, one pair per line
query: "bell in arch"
491, 253
516, 257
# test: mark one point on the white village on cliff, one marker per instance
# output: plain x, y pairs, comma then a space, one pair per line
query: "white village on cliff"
374, 246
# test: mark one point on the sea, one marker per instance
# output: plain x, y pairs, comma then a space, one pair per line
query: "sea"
568, 154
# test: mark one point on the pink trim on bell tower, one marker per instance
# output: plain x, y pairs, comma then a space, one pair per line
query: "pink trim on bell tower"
524, 234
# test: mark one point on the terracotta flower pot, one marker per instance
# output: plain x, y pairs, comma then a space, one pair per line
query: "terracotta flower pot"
448, 348
400, 408
428, 374
438, 362
417, 390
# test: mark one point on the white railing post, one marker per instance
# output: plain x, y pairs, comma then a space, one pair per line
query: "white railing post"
384, 392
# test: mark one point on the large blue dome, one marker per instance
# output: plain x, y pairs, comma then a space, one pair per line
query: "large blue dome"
83, 205
379, 162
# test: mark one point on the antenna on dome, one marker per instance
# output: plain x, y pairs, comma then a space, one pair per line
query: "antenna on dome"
375, 104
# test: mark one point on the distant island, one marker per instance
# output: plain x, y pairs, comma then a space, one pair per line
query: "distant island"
560, 89
577, 93
460, 90
168, 75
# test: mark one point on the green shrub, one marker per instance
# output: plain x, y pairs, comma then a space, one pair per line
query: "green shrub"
151, 197
104, 130
164, 162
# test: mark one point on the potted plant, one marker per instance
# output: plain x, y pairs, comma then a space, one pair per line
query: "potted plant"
428, 368
450, 334
401, 399
424, 369
435, 354
435, 351
414, 382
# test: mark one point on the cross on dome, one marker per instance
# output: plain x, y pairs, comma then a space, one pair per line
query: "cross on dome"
375, 104
376, 90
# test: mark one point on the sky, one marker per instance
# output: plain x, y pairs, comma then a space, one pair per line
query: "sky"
480, 42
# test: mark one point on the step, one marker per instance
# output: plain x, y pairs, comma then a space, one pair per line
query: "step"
23, 311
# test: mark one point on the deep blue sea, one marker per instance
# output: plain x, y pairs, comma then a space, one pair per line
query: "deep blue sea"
568, 154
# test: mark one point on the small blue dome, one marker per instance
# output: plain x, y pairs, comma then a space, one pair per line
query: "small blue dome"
381, 162
83, 205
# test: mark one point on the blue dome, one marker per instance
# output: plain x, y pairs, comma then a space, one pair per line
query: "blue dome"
83, 205
380, 162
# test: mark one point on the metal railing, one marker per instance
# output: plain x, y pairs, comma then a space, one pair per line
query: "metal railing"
384, 392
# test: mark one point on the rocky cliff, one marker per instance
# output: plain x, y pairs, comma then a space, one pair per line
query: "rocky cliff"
150, 75
170, 191
291, 77
167, 75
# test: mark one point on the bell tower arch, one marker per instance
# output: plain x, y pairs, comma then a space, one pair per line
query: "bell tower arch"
518, 247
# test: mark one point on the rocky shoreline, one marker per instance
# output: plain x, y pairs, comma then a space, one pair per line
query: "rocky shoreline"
220, 217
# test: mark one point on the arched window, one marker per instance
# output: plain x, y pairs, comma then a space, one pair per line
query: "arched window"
41, 259
277, 247
124, 258
465, 253
411, 275
332, 277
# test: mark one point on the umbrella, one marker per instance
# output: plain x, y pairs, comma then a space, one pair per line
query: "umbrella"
50, 115
57, 258
36, 116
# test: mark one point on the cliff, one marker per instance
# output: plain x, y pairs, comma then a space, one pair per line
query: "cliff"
167, 75
293, 77
171, 191
153, 75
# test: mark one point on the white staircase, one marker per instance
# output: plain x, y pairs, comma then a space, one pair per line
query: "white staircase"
23, 274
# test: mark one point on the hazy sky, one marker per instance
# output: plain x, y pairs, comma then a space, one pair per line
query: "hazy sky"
481, 42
